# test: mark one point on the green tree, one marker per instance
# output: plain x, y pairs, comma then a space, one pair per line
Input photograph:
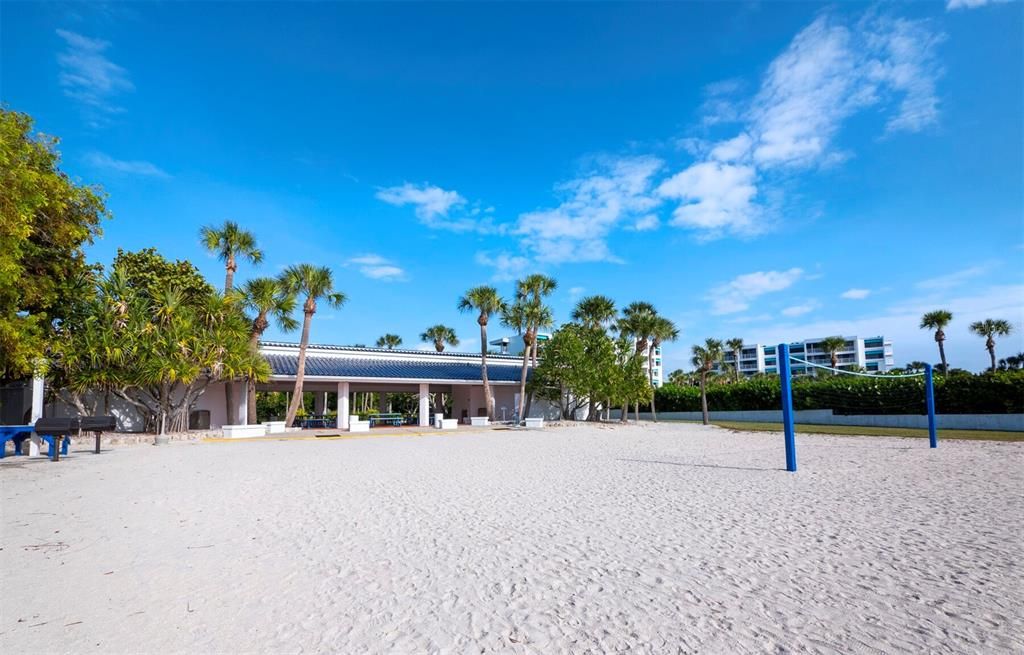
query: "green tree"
596, 313
315, 283
638, 322
230, 243
664, 330
439, 335
266, 299
46, 219
735, 346
991, 328
704, 359
389, 341
486, 302
526, 317
833, 346
938, 320
916, 366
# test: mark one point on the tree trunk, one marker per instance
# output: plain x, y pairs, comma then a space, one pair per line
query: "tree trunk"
252, 418
300, 373
650, 379
942, 354
522, 382
488, 397
991, 347
704, 397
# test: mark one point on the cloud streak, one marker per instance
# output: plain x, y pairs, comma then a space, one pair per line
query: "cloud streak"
136, 167
375, 267
90, 78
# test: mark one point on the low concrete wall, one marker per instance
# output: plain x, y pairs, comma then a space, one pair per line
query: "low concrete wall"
1008, 422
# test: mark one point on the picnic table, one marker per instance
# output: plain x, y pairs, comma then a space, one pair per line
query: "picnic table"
16, 433
311, 422
393, 418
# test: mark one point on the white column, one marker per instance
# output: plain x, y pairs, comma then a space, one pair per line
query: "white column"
37, 398
242, 394
343, 408
424, 405
320, 402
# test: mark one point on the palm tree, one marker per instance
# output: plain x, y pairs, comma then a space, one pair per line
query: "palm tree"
487, 302
316, 283
664, 330
991, 328
595, 312
833, 346
439, 335
534, 288
704, 359
638, 322
230, 243
938, 320
267, 299
735, 346
389, 341
526, 317
916, 366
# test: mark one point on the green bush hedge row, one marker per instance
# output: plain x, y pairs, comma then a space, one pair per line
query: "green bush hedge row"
1001, 392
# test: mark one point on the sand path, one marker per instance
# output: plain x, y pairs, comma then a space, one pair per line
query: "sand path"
669, 538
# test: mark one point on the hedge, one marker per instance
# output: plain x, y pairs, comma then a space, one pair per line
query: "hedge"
1001, 392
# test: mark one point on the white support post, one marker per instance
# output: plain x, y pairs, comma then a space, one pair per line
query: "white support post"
343, 408
242, 394
38, 385
424, 405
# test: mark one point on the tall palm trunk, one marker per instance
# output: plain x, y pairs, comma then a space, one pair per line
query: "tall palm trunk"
230, 402
300, 373
650, 378
990, 346
250, 384
522, 376
488, 398
704, 397
940, 338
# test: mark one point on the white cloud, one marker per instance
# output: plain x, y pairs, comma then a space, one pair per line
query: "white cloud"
90, 78
144, 168
954, 279
801, 309
375, 267
594, 205
855, 294
506, 266
646, 223
429, 201
720, 105
576, 291
736, 295
970, 4
830, 71
717, 198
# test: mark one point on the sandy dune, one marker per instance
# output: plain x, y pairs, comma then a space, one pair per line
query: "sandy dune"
657, 539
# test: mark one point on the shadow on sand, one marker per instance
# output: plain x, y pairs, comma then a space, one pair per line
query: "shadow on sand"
703, 466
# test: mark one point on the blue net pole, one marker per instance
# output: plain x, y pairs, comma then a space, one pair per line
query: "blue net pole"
787, 406
929, 394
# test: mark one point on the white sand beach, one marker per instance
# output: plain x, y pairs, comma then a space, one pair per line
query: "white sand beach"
654, 538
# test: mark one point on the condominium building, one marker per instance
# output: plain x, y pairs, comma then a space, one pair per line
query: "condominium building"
873, 354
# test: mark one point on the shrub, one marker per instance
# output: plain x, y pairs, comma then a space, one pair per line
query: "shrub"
1001, 392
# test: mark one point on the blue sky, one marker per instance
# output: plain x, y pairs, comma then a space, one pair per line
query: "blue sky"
774, 171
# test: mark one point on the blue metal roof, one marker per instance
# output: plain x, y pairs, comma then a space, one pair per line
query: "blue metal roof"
371, 351
343, 367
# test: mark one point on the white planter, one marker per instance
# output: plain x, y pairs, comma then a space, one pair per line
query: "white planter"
479, 421
244, 431
358, 426
449, 424
274, 427
534, 422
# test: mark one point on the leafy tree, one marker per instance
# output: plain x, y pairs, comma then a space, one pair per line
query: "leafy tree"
486, 302
316, 283
439, 335
597, 313
916, 366
938, 320
574, 362
266, 299
735, 346
833, 346
681, 378
704, 359
45, 220
389, 341
991, 328
230, 243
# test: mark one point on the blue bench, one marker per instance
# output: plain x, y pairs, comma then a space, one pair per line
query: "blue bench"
16, 433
